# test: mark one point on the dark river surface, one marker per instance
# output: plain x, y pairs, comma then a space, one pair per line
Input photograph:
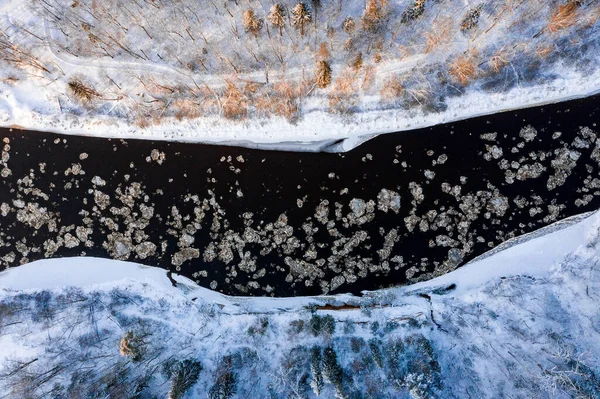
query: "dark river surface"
401, 208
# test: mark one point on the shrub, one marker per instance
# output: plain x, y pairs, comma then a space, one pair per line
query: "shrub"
357, 61
392, 88
234, 103
356, 344
463, 69
322, 325
331, 368
296, 326
471, 18
260, 328
323, 53
441, 33
282, 101
375, 346
44, 309
372, 15
374, 327
349, 25
226, 380
343, 96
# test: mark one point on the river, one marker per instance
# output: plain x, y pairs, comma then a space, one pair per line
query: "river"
400, 208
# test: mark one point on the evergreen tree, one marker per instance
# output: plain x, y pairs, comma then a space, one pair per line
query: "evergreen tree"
301, 16
184, 375
322, 74
349, 25
133, 346
277, 17
331, 368
251, 23
315, 368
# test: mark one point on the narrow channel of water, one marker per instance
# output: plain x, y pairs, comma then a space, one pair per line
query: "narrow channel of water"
400, 208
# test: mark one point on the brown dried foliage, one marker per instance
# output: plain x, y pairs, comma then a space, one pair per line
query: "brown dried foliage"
349, 25
544, 51
369, 78
277, 17
323, 53
564, 17
463, 69
498, 61
357, 61
131, 346
282, 100
392, 88
301, 16
343, 95
440, 34
234, 102
186, 108
593, 16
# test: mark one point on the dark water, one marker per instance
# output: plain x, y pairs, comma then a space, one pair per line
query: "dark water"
249, 222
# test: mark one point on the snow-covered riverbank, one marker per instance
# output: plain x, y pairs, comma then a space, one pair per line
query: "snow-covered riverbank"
81, 79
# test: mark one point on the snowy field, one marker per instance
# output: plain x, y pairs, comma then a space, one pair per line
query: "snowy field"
522, 322
163, 70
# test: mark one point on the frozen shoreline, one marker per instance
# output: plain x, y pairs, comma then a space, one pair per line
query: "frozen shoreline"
529, 255
316, 131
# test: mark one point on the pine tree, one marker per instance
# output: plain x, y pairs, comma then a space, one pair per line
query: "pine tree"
349, 25
132, 346
372, 15
301, 16
184, 374
414, 11
315, 368
323, 74
357, 61
331, 368
251, 23
277, 17
226, 380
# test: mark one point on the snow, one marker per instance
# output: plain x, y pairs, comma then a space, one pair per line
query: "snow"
80, 271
